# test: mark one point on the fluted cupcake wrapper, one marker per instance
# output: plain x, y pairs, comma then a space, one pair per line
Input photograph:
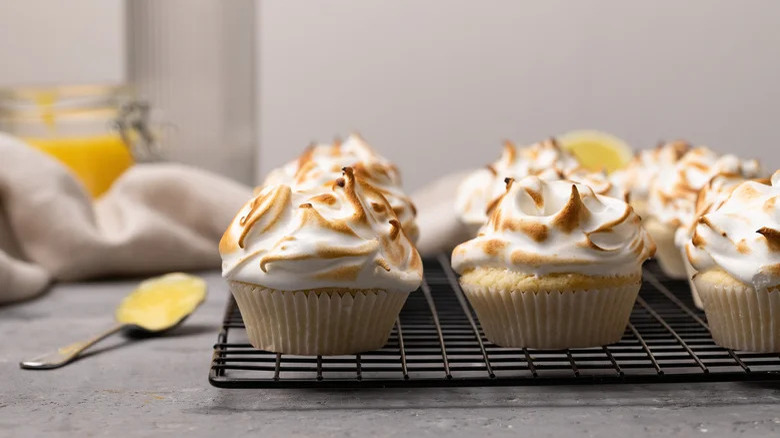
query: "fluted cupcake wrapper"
553, 319
315, 322
666, 252
741, 318
690, 272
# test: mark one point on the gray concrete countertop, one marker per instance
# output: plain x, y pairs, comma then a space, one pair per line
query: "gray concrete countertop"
159, 387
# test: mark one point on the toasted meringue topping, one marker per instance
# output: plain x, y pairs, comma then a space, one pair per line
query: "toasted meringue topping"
640, 173
673, 195
540, 227
346, 236
546, 160
331, 158
717, 190
742, 235
598, 181
319, 167
709, 198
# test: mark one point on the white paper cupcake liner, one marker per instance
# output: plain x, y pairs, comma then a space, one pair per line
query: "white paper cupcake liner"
690, 271
553, 319
313, 323
667, 253
741, 318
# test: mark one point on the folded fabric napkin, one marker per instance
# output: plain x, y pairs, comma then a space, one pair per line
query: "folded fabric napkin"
440, 228
156, 218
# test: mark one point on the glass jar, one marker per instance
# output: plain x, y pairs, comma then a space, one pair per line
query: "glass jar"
97, 131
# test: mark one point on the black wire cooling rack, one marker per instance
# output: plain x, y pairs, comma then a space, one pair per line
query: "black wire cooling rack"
437, 341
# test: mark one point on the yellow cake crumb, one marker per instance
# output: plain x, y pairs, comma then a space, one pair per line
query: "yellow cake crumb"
505, 279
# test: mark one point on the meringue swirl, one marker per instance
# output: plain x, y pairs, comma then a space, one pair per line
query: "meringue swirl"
541, 227
637, 177
546, 160
742, 235
598, 181
709, 198
331, 158
319, 166
672, 197
344, 237
717, 190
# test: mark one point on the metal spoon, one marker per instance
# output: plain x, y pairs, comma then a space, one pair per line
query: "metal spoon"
156, 306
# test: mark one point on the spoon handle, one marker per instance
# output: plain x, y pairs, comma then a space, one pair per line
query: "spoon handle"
64, 355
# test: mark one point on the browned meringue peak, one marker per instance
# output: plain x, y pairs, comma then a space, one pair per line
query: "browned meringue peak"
330, 158
320, 165
718, 189
264, 212
772, 237
664, 153
637, 177
709, 198
670, 152
566, 219
598, 181
480, 190
537, 158
313, 178
742, 235
542, 227
673, 195
346, 236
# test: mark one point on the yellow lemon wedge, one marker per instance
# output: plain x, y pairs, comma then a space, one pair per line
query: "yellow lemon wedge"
597, 150
161, 302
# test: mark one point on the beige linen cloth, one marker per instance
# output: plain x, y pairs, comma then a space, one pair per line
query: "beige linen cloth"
156, 218
440, 228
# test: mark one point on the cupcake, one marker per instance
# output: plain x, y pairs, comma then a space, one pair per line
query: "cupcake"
546, 160
319, 273
320, 165
672, 199
637, 177
710, 197
556, 266
735, 250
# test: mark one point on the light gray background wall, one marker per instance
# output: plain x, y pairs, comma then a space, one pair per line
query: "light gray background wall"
437, 84
434, 84
56, 42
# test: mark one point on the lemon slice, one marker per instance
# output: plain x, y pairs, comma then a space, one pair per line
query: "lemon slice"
597, 150
162, 302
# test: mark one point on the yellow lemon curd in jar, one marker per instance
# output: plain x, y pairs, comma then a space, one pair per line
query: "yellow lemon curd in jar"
96, 159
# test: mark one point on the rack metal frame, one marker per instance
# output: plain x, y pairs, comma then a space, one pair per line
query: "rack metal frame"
437, 341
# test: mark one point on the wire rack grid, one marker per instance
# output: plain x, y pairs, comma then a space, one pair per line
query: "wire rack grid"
437, 341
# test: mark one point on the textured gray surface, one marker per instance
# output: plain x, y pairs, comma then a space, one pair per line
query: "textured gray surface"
159, 386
